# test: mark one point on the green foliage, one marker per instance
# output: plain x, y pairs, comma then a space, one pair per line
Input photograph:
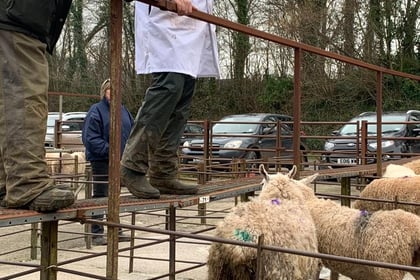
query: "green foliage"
277, 94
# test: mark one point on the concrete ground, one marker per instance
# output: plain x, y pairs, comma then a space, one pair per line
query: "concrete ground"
72, 245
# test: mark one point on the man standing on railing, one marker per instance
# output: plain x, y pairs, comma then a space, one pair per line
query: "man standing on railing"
175, 50
28, 29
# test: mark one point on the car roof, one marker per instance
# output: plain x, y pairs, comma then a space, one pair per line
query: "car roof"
255, 116
396, 113
70, 115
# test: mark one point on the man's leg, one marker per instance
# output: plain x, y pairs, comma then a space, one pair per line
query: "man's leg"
164, 159
24, 109
154, 116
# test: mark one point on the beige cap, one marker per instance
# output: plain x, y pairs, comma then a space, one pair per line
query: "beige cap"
105, 85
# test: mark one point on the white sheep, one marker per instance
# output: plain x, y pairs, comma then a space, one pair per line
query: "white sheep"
403, 189
384, 236
65, 163
414, 165
283, 223
396, 170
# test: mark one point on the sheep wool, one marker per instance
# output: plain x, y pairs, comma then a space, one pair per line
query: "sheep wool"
384, 236
404, 189
283, 224
414, 165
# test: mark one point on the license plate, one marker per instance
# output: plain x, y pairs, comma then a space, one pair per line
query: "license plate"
346, 161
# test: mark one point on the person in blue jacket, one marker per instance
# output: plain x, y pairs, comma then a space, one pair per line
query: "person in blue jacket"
95, 137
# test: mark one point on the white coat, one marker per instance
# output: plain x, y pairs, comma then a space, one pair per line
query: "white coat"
167, 42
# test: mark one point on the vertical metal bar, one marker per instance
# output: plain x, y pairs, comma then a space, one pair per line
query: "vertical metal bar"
131, 259
202, 207
34, 241
379, 92
345, 190
362, 157
115, 137
88, 194
297, 110
172, 242
260, 272
49, 238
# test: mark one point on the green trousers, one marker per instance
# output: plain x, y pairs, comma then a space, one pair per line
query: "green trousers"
156, 135
23, 118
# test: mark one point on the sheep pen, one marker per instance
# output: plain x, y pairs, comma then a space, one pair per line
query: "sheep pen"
383, 236
282, 223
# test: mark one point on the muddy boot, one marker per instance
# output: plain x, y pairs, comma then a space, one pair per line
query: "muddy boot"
52, 200
137, 184
173, 186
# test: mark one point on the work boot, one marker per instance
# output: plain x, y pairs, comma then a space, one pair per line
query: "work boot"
52, 200
173, 186
137, 184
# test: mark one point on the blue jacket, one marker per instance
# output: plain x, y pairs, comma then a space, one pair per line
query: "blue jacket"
95, 133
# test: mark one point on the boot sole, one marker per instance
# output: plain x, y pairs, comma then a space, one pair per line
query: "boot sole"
165, 190
51, 204
140, 194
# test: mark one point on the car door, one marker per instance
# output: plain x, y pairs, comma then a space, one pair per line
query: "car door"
269, 138
413, 130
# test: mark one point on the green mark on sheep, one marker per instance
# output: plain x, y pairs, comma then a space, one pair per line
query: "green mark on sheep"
243, 235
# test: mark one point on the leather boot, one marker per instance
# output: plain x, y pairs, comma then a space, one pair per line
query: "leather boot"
137, 184
173, 186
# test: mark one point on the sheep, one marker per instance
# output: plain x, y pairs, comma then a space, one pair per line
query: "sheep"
404, 189
385, 236
414, 165
395, 171
283, 223
64, 163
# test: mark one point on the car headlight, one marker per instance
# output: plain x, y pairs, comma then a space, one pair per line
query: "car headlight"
234, 144
385, 144
329, 146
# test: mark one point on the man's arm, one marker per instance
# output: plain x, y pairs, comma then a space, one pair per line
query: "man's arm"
183, 7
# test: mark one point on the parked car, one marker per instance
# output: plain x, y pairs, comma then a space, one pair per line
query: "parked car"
392, 126
248, 136
72, 124
192, 131
49, 136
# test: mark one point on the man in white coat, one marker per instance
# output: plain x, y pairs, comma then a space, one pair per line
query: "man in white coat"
176, 50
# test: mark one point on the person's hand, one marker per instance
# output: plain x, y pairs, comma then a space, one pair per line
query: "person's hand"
183, 7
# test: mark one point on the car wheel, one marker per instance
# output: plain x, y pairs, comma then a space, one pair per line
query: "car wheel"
251, 156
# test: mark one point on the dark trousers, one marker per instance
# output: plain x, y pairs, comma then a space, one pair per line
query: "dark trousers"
156, 135
99, 173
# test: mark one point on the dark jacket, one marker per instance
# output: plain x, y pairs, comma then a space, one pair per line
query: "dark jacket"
95, 133
41, 19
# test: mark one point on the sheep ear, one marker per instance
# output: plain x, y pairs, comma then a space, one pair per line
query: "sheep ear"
307, 180
292, 172
264, 172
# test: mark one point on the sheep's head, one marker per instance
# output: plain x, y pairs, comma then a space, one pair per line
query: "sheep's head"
284, 186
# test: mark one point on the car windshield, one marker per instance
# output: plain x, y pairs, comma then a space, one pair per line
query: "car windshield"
51, 120
350, 129
227, 126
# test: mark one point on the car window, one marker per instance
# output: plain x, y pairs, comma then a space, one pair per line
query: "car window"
350, 129
193, 129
